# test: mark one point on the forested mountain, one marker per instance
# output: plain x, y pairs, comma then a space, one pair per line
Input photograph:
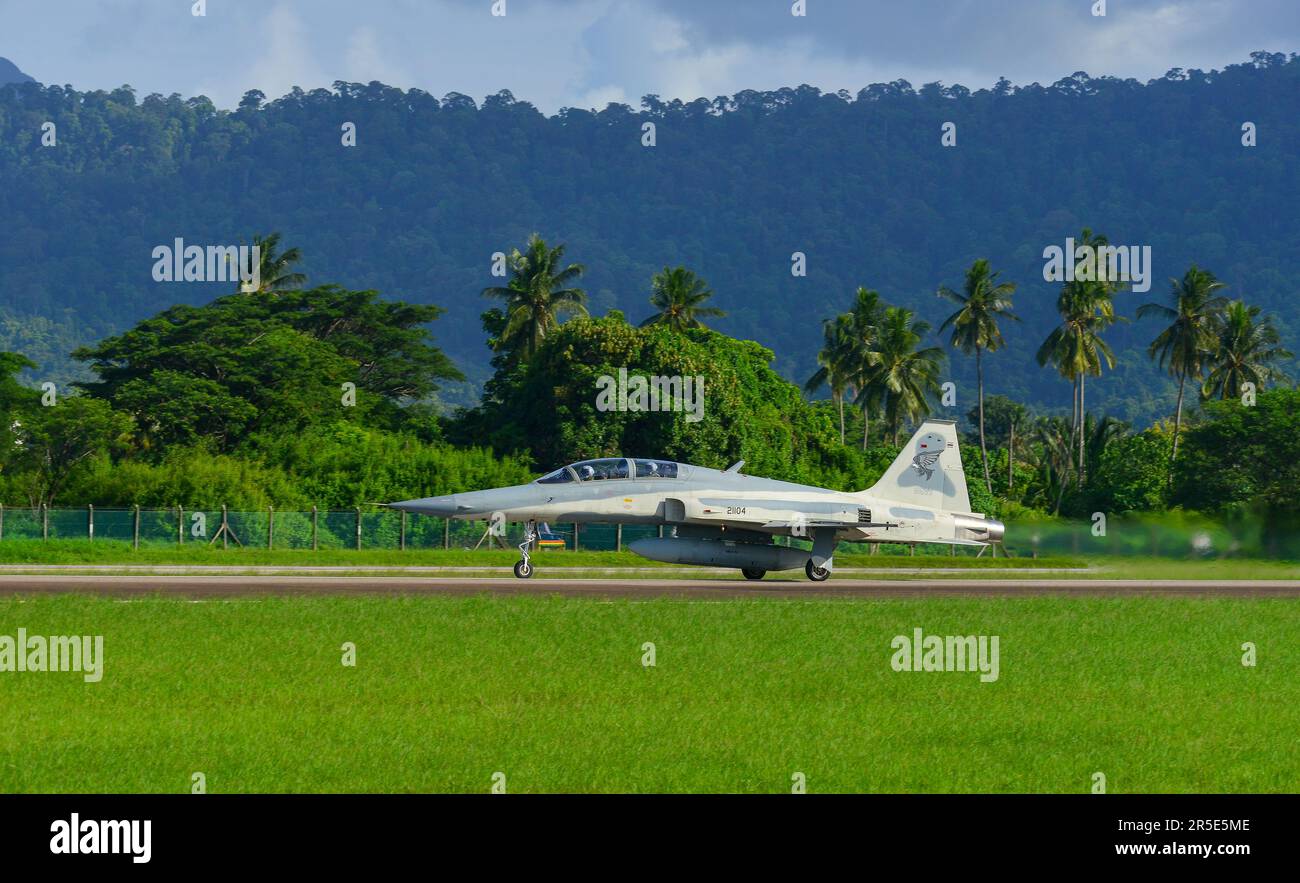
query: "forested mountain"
732, 188
9, 73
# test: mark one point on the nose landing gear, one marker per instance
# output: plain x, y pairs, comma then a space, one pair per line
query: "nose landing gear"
524, 568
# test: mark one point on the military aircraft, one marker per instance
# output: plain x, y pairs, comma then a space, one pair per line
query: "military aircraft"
727, 519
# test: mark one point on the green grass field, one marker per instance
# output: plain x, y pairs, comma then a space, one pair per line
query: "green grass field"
553, 693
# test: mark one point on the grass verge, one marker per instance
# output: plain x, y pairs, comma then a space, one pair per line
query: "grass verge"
553, 693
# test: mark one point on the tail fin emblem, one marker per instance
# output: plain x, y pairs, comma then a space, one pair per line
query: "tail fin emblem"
927, 456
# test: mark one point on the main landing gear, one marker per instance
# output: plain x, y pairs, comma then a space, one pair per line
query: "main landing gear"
524, 568
753, 572
816, 574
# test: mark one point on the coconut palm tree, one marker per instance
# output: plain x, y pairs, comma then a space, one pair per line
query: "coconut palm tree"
1099, 433
1052, 457
678, 295
902, 377
1075, 346
836, 363
538, 294
982, 302
1184, 346
1245, 349
274, 267
866, 316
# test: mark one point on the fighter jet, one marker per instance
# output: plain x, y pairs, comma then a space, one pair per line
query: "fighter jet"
728, 519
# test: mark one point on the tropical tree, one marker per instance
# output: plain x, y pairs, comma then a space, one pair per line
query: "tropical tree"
865, 319
678, 295
981, 303
1005, 417
1244, 352
844, 364
902, 377
539, 292
274, 267
1075, 346
836, 365
1052, 457
1184, 346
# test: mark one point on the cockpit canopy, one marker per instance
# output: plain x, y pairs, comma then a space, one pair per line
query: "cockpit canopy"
610, 469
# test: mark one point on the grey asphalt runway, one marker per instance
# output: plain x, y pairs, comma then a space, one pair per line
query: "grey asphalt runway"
231, 586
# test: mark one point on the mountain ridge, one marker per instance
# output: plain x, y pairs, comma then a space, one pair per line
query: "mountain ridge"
732, 188
9, 73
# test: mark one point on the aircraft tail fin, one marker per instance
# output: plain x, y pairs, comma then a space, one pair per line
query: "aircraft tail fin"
928, 472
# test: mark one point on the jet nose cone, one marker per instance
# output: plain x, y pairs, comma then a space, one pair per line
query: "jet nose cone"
437, 506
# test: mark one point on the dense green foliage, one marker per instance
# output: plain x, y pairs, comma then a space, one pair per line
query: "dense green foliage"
290, 398
735, 186
249, 363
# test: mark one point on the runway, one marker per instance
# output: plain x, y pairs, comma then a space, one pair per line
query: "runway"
720, 589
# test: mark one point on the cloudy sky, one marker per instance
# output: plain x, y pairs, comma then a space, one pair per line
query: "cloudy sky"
585, 53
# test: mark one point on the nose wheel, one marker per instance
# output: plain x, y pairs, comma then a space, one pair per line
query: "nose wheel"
524, 568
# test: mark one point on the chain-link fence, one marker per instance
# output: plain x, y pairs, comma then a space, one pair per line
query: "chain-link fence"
367, 528
313, 529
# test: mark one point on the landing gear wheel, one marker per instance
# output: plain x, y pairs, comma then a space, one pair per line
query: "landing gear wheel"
816, 574
524, 568
753, 572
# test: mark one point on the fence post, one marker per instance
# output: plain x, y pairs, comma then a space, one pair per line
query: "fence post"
135, 529
45, 522
180, 525
90, 522
618, 537
2, 521
358, 528
270, 527
446, 533
402, 539
575, 536
314, 515
225, 528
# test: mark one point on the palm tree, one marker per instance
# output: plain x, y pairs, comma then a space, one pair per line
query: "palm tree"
975, 329
836, 365
902, 377
1184, 346
1100, 433
678, 295
848, 340
1075, 346
1244, 352
274, 267
865, 317
537, 295
1052, 457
